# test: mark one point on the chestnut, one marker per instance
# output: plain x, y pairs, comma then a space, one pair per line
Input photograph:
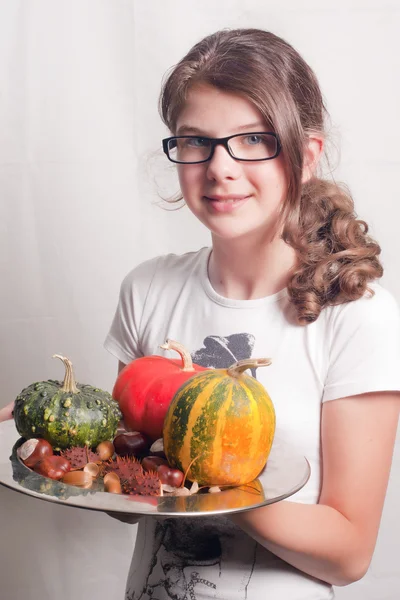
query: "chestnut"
34, 450
131, 444
151, 463
172, 477
53, 467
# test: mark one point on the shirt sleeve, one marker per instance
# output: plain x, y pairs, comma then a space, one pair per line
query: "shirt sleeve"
365, 347
123, 339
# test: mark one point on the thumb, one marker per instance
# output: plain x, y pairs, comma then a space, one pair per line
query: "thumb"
6, 412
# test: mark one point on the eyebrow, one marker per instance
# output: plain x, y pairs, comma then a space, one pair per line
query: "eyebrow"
187, 130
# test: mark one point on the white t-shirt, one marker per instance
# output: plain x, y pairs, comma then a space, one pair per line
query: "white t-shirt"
352, 348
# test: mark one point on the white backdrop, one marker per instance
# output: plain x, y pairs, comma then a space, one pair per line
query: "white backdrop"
80, 178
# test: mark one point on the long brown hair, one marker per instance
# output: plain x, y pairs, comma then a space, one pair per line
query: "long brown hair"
335, 256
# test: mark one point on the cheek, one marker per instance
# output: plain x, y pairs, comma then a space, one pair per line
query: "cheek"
274, 181
190, 177
181, 178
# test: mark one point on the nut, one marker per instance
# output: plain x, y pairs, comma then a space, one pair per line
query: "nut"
34, 450
54, 467
92, 469
80, 479
112, 484
105, 450
111, 476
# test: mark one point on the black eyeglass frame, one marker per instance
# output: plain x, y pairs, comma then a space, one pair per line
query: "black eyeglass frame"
223, 142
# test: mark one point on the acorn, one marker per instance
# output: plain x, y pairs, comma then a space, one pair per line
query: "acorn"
80, 479
105, 450
112, 484
92, 469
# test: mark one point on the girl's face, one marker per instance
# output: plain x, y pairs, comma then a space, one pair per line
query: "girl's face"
230, 197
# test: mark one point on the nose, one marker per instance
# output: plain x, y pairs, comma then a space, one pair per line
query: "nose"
222, 166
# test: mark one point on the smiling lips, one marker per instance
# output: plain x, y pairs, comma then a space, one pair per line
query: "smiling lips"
226, 203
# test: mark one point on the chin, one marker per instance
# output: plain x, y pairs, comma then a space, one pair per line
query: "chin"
232, 232
230, 227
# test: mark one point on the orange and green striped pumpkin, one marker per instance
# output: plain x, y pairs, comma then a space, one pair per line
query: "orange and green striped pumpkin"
220, 426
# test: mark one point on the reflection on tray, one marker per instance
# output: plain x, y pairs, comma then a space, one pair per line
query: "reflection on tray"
232, 498
42, 485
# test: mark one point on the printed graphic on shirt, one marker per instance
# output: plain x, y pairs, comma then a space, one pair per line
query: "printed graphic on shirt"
221, 352
191, 559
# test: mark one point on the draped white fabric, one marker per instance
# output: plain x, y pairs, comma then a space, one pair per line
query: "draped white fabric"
81, 175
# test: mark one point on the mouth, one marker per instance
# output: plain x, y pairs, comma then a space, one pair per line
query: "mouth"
226, 197
226, 203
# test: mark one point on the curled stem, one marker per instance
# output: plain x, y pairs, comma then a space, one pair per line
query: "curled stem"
237, 368
187, 363
69, 384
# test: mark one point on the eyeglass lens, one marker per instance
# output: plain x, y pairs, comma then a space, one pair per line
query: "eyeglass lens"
246, 147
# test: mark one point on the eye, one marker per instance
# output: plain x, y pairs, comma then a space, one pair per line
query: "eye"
253, 140
196, 142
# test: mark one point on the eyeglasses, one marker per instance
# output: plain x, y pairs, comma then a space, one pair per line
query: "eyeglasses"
254, 146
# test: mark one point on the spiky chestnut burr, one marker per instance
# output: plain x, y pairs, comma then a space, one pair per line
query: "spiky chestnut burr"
148, 484
80, 456
133, 479
124, 466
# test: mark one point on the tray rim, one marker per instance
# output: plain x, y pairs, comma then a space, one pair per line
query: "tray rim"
76, 499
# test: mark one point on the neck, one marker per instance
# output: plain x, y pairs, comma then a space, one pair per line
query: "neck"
247, 269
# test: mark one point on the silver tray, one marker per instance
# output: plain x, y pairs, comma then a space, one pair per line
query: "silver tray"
285, 473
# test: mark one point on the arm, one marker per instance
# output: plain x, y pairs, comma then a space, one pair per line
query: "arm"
6, 412
335, 539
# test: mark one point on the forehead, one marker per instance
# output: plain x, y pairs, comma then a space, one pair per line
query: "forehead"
216, 113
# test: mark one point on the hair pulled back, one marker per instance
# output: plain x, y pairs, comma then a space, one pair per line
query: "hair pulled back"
335, 257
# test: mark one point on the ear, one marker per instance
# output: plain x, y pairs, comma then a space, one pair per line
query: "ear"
312, 154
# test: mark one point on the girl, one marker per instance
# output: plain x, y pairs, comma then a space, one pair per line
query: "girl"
291, 274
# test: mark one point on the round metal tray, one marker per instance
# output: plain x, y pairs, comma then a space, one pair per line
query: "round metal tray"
285, 474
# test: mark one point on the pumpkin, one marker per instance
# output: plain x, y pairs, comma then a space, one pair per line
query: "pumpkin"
66, 413
220, 426
145, 387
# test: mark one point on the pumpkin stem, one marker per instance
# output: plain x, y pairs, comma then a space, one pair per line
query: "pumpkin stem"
185, 356
190, 464
69, 384
237, 368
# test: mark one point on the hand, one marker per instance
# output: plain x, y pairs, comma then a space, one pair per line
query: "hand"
6, 412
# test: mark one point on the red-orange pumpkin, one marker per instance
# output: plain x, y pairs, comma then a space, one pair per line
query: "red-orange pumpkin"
145, 387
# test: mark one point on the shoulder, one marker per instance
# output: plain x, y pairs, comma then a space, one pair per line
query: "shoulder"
364, 345
377, 306
372, 319
164, 269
